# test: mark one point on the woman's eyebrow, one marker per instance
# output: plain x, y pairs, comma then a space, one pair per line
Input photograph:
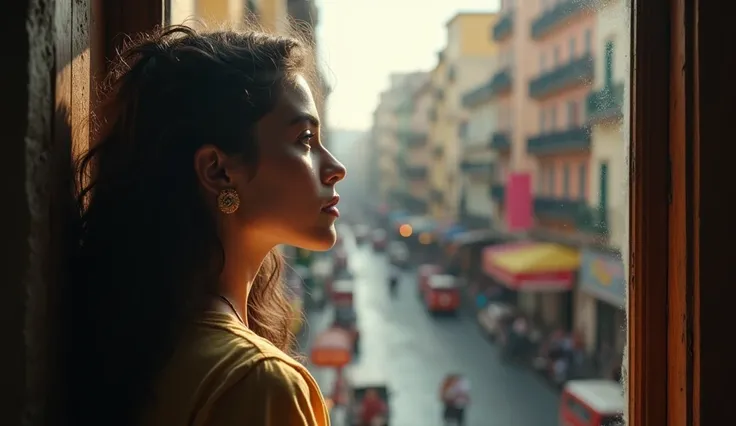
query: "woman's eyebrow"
304, 116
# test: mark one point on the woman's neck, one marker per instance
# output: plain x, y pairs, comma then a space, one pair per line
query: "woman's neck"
238, 274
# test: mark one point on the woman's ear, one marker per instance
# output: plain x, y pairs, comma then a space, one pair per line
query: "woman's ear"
213, 169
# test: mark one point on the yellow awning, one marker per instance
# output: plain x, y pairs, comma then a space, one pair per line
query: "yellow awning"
540, 257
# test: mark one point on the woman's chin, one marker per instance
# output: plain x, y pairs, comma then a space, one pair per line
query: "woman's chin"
321, 239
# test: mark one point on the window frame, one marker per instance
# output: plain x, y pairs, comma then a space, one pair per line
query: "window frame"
665, 345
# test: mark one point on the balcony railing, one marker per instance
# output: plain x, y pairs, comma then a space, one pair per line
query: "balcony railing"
475, 167
499, 83
554, 18
559, 208
500, 141
576, 72
412, 139
605, 104
498, 192
414, 172
503, 27
593, 220
555, 142
587, 219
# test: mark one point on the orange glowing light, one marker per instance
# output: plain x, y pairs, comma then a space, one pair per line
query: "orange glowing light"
405, 230
425, 238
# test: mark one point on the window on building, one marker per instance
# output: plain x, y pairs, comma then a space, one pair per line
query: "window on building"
542, 120
572, 114
551, 181
566, 181
588, 41
572, 48
541, 176
553, 117
542, 62
556, 56
582, 179
608, 73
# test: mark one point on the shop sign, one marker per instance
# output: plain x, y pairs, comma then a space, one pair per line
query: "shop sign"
602, 275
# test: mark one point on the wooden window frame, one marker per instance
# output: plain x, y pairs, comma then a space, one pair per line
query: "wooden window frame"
680, 372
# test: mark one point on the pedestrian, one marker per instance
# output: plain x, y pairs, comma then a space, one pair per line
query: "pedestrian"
455, 395
206, 158
373, 409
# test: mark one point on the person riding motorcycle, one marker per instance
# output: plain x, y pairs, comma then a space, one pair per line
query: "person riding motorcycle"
455, 396
373, 409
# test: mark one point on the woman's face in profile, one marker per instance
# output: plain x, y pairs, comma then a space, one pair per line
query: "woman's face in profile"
288, 200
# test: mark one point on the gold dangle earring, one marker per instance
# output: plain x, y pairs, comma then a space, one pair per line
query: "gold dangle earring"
228, 201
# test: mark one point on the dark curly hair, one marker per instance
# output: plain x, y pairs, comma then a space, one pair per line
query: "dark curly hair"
145, 251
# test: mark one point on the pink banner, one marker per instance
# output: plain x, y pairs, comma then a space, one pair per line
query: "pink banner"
519, 215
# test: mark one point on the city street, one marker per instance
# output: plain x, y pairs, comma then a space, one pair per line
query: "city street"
411, 352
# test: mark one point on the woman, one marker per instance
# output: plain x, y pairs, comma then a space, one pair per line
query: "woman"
210, 157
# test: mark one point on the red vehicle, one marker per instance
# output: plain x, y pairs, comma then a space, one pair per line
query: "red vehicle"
595, 402
341, 292
423, 274
442, 294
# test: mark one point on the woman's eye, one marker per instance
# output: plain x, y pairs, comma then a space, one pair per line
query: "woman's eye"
306, 139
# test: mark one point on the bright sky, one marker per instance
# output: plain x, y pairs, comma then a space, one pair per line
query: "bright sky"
363, 41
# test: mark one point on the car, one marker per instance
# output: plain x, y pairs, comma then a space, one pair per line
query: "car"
442, 294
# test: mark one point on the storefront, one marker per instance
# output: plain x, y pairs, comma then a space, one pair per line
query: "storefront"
603, 288
542, 275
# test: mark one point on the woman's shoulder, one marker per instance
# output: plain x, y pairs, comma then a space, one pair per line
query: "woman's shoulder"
222, 367
274, 392
220, 338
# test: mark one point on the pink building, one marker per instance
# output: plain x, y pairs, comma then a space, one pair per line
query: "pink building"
557, 136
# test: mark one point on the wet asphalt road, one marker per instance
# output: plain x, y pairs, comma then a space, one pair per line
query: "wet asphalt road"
411, 352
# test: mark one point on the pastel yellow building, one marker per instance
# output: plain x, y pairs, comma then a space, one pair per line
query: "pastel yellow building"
271, 14
463, 64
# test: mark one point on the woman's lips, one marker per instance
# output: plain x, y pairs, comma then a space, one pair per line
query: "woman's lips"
331, 207
331, 210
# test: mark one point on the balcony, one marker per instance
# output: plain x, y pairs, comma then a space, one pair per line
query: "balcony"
556, 17
415, 205
498, 84
498, 192
575, 73
436, 195
593, 220
503, 27
558, 208
414, 172
413, 139
500, 141
475, 167
555, 142
605, 104
438, 151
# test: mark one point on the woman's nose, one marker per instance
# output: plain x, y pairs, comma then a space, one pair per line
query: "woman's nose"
332, 171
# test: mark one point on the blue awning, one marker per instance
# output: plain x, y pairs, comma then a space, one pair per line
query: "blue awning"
452, 232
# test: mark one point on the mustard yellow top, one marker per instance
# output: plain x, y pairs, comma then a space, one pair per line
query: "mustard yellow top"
223, 374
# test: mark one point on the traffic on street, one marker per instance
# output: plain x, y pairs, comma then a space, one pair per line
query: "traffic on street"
409, 351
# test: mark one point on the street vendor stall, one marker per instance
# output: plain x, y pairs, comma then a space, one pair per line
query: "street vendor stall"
333, 348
